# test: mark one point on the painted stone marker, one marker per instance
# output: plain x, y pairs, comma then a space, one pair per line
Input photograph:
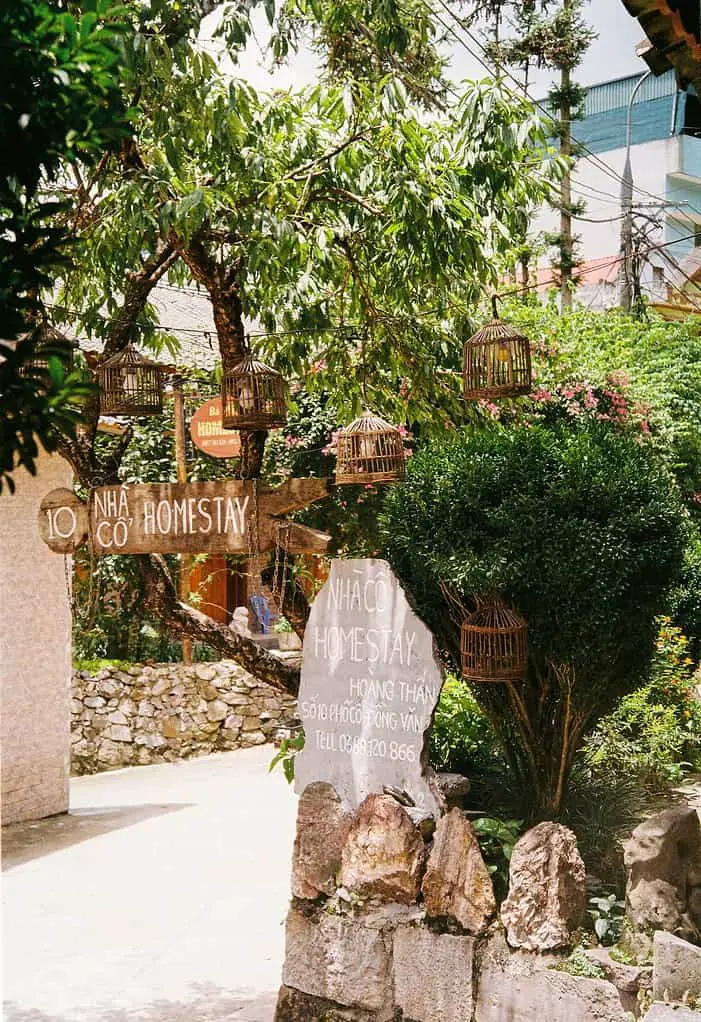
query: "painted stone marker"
370, 683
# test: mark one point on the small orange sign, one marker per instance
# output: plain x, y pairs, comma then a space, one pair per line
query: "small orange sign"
208, 433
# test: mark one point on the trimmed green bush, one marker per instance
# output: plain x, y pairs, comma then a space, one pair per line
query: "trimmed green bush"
582, 529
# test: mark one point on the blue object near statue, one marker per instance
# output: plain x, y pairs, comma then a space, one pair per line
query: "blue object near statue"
261, 612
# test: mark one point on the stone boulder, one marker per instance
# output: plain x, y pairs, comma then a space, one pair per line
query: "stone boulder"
322, 828
457, 884
660, 1012
663, 861
383, 857
547, 889
676, 969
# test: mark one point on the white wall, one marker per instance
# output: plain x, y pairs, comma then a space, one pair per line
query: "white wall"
35, 653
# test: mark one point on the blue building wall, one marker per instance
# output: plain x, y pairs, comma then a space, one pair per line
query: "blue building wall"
603, 127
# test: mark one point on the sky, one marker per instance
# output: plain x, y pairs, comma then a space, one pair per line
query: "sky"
611, 55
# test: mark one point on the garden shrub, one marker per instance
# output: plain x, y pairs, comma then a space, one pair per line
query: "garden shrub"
462, 739
582, 529
655, 731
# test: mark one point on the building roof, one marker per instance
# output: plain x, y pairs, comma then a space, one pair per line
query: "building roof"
674, 30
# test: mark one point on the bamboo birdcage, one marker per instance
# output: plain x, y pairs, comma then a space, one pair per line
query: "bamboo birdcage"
253, 396
48, 341
370, 450
496, 362
130, 384
494, 644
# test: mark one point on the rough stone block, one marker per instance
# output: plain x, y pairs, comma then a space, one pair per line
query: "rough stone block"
671, 1013
547, 889
663, 859
457, 884
294, 1006
217, 710
518, 986
433, 975
322, 828
339, 960
119, 733
676, 968
384, 853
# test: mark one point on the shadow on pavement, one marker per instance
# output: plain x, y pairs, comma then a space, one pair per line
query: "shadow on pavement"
22, 842
209, 1003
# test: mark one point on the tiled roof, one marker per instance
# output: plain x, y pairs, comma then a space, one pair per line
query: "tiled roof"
674, 29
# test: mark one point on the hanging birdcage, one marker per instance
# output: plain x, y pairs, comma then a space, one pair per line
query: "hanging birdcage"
494, 644
370, 450
47, 341
130, 384
496, 362
253, 396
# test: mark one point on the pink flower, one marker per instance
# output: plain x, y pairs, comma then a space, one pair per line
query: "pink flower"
542, 395
319, 366
618, 378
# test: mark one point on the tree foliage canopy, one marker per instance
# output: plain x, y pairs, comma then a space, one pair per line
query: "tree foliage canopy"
582, 529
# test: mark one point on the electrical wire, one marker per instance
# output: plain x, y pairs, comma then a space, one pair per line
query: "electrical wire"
524, 91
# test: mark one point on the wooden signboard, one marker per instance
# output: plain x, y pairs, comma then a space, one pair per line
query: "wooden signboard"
210, 436
166, 518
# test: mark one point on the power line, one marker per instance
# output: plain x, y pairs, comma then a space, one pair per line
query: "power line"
522, 89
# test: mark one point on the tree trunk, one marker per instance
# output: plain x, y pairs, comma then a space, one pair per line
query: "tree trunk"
180, 619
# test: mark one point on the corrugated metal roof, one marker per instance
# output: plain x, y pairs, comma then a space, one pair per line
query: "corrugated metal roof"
616, 94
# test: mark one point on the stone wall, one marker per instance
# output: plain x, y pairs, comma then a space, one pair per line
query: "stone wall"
163, 712
35, 652
391, 920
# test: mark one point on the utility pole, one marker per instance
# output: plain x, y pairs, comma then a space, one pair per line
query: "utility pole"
181, 468
626, 271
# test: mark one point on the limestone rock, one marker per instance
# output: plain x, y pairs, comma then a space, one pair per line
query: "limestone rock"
217, 710
322, 828
205, 672
119, 733
515, 986
671, 1013
171, 727
383, 856
547, 889
338, 959
161, 686
453, 787
364, 734
663, 860
676, 968
294, 1006
432, 975
457, 884
626, 978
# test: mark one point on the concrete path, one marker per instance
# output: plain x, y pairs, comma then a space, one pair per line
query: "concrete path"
160, 898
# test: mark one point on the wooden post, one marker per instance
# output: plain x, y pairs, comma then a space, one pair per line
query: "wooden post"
181, 469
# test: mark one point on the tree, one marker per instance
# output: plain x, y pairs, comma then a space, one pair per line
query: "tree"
577, 525
355, 228
60, 105
554, 36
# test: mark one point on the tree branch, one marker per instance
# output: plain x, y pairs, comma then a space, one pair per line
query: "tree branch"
181, 619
